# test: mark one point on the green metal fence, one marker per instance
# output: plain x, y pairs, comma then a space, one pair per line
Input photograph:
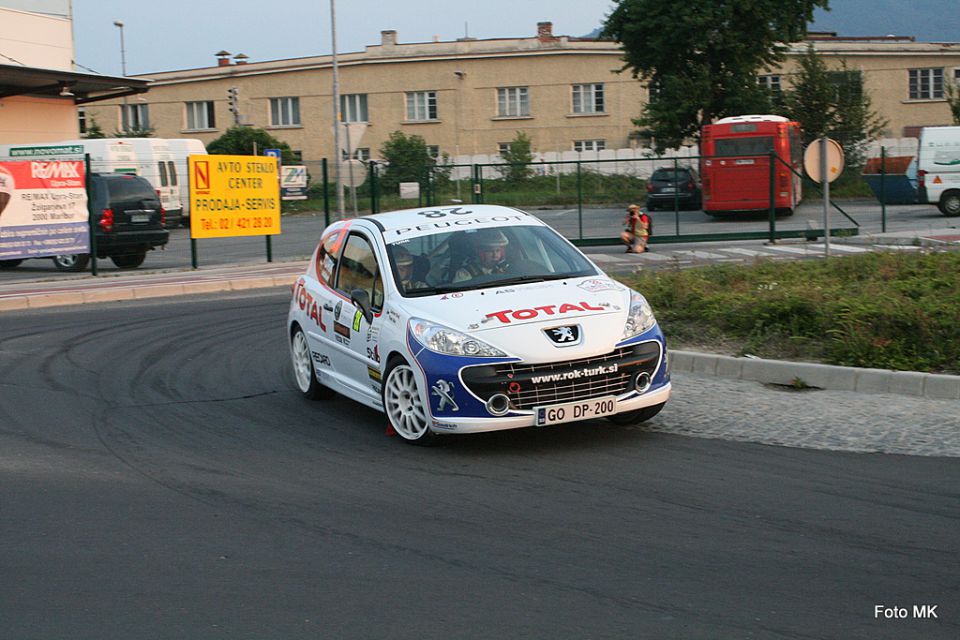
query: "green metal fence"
585, 200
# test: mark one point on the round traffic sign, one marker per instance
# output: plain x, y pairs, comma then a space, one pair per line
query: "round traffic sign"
353, 173
812, 157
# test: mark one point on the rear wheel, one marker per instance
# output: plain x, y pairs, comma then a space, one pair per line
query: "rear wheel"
303, 371
130, 260
401, 402
9, 264
636, 417
950, 203
74, 262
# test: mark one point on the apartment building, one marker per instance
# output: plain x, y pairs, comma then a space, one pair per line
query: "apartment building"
471, 96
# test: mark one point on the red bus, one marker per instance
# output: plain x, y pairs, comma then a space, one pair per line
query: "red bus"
735, 164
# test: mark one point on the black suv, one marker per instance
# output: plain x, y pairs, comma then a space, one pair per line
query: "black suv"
129, 221
668, 186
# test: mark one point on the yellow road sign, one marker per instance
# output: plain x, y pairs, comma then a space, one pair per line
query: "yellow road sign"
233, 196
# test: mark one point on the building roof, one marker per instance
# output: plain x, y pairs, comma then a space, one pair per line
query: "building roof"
16, 80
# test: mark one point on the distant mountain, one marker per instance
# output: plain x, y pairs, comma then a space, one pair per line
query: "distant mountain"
925, 20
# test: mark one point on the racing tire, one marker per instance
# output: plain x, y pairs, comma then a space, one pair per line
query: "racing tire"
10, 264
636, 417
950, 203
401, 402
303, 372
129, 260
73, 262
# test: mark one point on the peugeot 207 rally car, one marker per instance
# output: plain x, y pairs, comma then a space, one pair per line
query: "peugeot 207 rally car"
471, 318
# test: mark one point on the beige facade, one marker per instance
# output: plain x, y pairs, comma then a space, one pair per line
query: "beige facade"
469, 96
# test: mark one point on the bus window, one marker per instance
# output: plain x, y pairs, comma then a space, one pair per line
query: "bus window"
758, 146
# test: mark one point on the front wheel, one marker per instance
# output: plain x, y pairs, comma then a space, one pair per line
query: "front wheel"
402, 404
636, 417
75, 262
303, 372
950, 204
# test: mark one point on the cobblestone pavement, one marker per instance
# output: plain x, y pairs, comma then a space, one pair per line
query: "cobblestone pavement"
833, 420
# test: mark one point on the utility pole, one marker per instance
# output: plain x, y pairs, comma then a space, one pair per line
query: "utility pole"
338, 161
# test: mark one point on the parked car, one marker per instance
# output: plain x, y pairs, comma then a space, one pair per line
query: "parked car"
129, 222
668, 186
468, 319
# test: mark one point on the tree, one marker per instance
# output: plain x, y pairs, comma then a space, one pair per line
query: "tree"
833, 103
408, 160
701, 63
134, 132
517, 158
248, 141
951, 92
94, 130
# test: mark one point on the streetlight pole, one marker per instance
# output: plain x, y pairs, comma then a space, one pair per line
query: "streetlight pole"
338, 161
125, 120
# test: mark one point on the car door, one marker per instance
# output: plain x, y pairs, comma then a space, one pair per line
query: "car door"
356, 341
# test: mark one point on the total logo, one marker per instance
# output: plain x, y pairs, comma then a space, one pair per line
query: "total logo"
508, 315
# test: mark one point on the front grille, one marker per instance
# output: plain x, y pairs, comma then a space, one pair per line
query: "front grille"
532, 385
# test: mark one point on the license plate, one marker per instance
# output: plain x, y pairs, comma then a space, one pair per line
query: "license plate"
140, 217
668, 190
580, 410
750, 161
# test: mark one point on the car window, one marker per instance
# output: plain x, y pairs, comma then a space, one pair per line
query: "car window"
162, 167
172, 170
328, 254
129, 190
461, 260
358, 270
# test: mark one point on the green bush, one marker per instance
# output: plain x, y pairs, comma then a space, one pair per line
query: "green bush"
884, 310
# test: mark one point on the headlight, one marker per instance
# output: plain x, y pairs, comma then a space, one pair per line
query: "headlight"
441, 339
640, 318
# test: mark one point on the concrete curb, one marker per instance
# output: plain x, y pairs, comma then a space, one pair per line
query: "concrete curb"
141, 292
822, 376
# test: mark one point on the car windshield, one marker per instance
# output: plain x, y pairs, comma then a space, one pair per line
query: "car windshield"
477, 259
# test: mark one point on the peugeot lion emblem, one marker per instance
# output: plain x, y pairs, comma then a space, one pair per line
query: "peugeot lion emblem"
566, 336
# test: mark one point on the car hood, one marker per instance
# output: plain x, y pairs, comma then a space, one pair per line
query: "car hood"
518, 318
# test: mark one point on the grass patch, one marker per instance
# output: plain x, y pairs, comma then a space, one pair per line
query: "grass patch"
884, 310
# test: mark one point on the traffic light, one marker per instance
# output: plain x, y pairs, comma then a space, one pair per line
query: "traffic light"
232, 100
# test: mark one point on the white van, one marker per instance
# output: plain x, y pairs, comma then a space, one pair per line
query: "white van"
182, 148
155, 162
938, 168
106, 155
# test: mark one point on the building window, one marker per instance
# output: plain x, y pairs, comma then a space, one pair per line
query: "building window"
134, 116
82, 119
433, 151
421, 105
926, 84
770, 83
588, 98
353, 107
285, 112
589, 145
200, 115
503, 148
513, 102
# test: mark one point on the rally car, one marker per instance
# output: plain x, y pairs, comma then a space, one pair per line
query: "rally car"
471, 318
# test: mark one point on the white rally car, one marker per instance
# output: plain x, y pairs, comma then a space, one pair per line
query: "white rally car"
471, 318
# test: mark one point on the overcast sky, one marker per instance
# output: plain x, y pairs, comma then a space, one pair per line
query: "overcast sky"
185, 34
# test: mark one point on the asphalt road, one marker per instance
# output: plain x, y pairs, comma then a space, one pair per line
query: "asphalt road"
160, 478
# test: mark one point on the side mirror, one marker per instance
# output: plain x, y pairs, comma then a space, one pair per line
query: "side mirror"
361, 300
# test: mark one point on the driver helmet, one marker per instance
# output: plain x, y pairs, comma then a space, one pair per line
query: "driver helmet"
491, 247
404, 261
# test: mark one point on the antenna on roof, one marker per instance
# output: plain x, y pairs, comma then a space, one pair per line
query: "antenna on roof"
466, 29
